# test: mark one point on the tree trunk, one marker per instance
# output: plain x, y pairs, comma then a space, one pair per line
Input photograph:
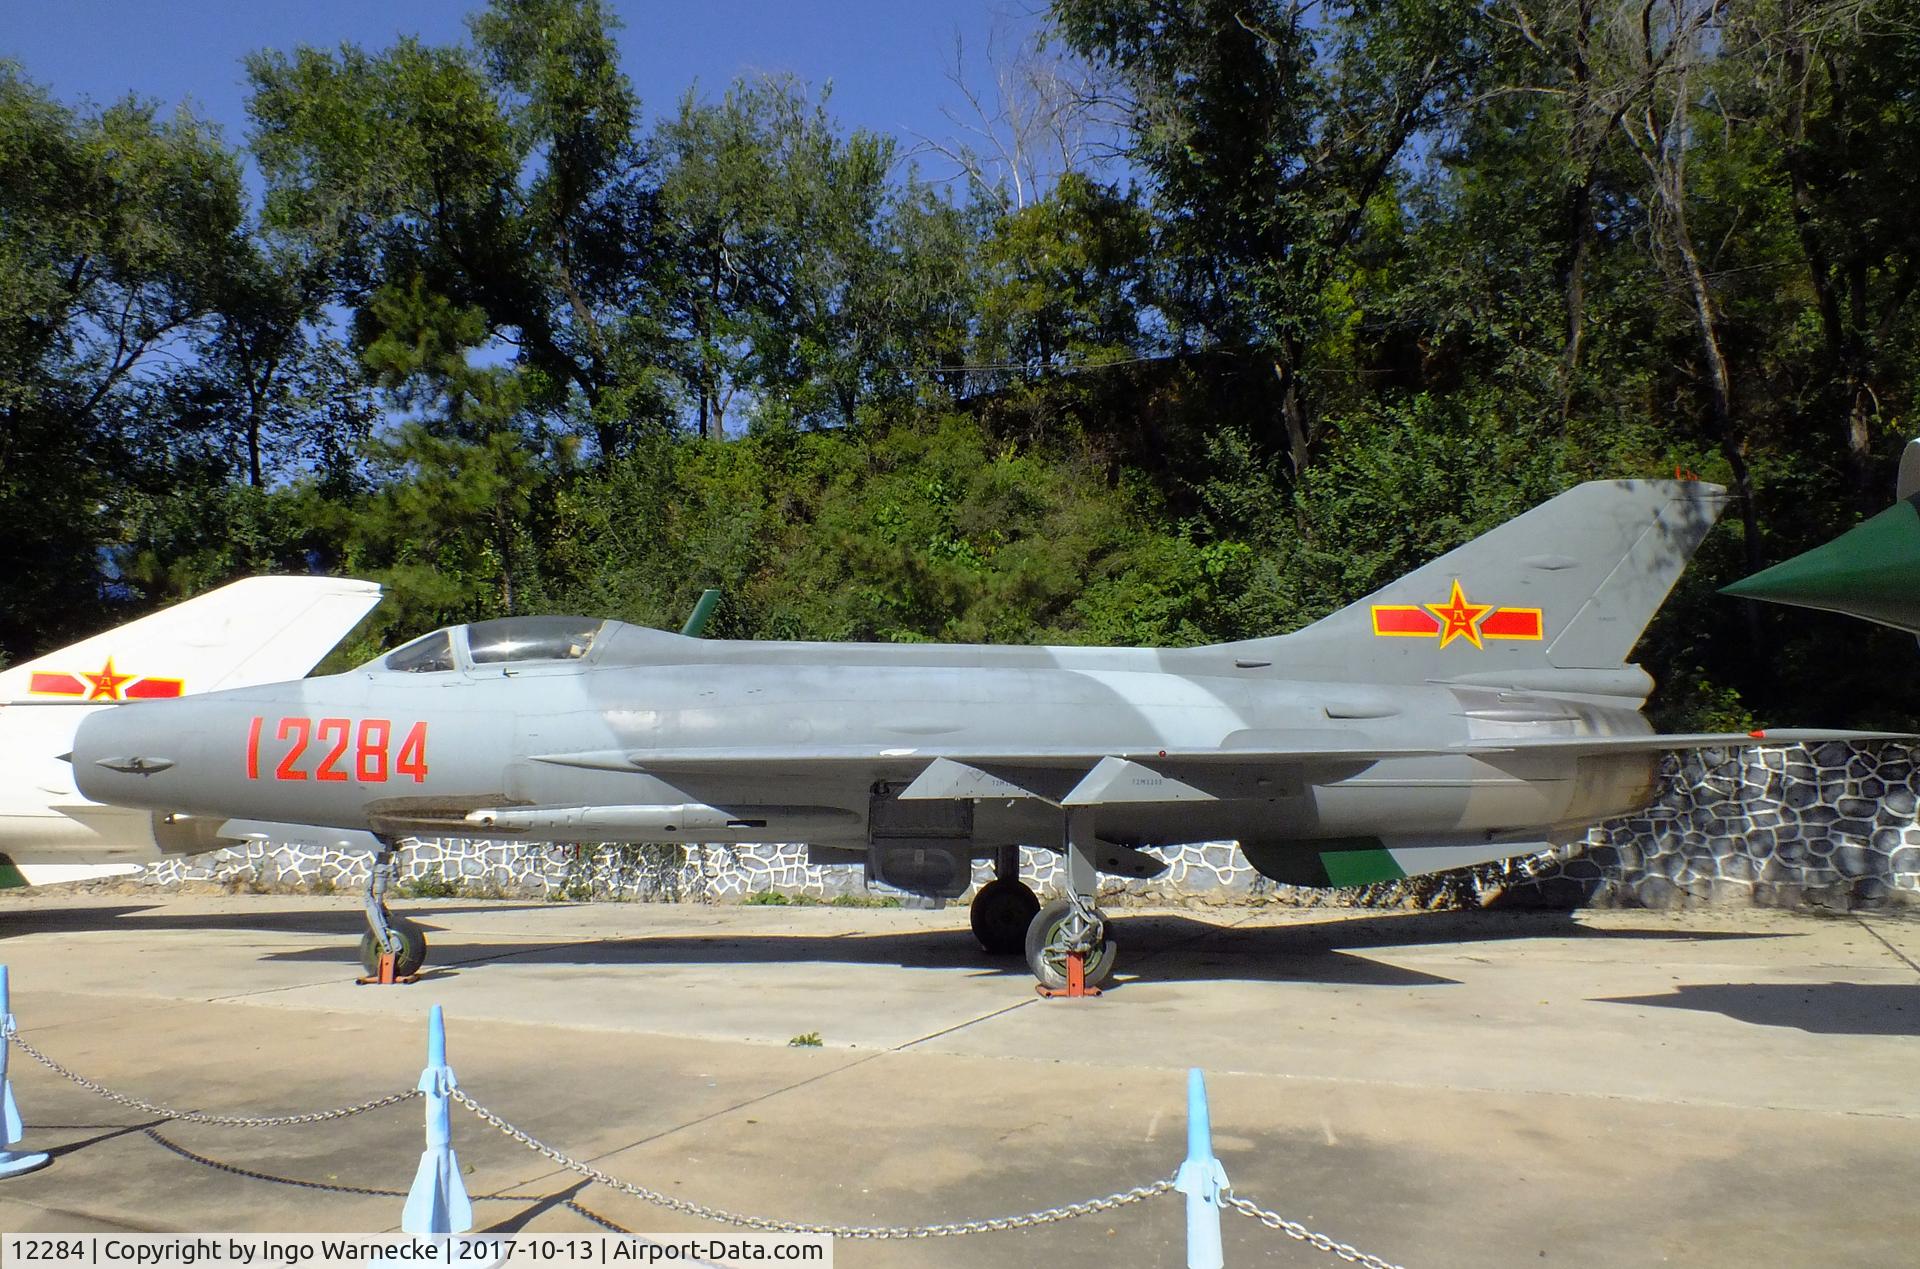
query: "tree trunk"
1574, 284
1293, 414
1579, 207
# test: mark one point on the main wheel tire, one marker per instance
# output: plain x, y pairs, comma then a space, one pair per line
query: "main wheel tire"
1001, 912
411, 955
1046, 953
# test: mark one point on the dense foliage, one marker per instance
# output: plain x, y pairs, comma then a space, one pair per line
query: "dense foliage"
1297, 295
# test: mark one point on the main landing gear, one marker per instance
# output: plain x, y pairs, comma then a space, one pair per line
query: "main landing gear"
1065, 942
1068, 949
1067, 945
393, 949
1004, 907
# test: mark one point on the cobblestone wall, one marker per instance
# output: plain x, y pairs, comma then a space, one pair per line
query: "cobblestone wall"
1833, 826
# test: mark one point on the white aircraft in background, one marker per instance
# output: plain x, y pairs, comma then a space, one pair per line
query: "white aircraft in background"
259, 630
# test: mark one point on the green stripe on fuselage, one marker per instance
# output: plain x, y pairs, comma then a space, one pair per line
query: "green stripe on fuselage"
1360, 867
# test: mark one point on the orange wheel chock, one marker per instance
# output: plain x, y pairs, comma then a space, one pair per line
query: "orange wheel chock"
1076, 988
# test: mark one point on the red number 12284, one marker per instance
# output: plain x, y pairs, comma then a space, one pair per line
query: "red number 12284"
343, 749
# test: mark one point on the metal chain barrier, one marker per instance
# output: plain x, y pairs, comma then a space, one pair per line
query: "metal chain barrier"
335, 1187
951, 1229
686, 1207
199, 1117
1300, 1233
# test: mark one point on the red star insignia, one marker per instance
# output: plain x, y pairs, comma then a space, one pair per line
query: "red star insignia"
1459, 619
106, 684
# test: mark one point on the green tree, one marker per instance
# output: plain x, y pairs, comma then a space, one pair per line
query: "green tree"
1268, 131
116, 227
803, 281
504, 178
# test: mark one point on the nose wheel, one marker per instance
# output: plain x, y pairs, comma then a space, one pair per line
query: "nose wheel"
393, 949
408, 947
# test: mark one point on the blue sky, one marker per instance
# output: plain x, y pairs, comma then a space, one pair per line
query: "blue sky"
887, 61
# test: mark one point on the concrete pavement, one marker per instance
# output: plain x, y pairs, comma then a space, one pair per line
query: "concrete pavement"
1609, 1088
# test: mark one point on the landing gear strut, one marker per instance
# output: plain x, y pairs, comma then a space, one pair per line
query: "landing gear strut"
1067, 945
1004, 907
393, 949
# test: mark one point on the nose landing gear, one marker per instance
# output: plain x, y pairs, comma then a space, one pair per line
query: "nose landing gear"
393, 949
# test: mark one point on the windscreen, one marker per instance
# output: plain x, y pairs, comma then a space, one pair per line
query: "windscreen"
424, 655
531, 639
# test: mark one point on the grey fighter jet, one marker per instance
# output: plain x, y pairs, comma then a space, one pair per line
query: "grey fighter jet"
1479, 708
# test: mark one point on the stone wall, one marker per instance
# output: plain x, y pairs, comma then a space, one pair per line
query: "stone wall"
1833, 826
1830, 826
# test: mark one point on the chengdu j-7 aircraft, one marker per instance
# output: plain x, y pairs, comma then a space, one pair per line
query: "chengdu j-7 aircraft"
259, 630
1479, 708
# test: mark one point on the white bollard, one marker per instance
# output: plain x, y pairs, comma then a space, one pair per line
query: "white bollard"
437, 1203
12, 1163
1201, 1179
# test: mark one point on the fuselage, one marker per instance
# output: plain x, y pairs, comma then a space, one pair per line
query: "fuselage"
407, 752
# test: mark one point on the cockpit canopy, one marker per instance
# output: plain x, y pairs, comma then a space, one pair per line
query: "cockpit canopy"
532, 639
503, 641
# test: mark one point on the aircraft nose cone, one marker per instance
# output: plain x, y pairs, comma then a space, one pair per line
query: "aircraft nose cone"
121, 756
1870, 571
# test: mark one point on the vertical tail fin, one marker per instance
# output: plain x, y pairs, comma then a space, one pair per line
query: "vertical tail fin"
257, 630
1568, 586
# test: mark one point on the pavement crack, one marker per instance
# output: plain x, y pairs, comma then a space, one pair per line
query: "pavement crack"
1886, 943
710, 1116
962, 1026
735, 1107
269, 991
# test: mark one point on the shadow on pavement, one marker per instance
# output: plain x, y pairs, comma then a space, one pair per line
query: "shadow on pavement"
1819, 1008
106, 1134
346, 920
532, 1204
1154, 946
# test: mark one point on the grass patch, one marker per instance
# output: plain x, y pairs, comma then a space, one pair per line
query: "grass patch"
807, 1040
432, 884
864, 901
774, 899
